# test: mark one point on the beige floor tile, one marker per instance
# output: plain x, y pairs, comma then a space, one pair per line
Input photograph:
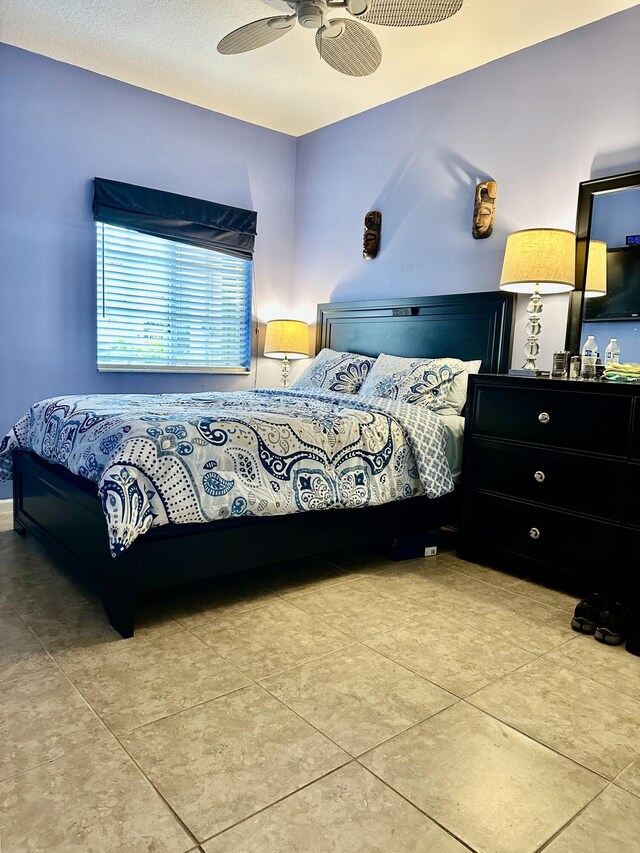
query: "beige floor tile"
299, 576
458, 658
18, 578
491, 786
360, 608
18, 560
42, 717
546, 595
130, 684
27, 548
21, 653
630, 778
495, 577
610, 824
7, 534
93, 800
584, 720
218, 597
14, 547
435, 585
223, 761
357, 697
270, 639
36, 587
475, 602
349, 811
520, 620
82, 623
5, 607
612, 666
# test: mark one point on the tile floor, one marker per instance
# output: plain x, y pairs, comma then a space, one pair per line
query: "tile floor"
343, 704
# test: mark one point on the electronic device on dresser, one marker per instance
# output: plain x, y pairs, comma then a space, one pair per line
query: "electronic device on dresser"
551, 479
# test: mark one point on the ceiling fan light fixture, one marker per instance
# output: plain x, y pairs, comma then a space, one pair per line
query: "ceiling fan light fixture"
333, 29
357, 7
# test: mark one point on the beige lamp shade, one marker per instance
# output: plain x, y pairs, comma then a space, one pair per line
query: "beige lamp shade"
545, 257
596, 280
287, 339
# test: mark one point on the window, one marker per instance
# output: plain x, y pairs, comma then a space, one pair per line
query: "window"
170, 306
174, 281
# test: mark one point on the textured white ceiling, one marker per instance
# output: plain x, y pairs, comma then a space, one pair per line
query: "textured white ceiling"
170, 47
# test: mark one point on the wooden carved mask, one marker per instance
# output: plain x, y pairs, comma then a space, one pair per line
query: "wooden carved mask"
372, 229
484, 209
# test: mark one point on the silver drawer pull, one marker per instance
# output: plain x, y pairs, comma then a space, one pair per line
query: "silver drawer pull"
539, 476
534, 533
544, 417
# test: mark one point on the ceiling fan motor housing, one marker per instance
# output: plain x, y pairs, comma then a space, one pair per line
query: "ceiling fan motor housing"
310, 14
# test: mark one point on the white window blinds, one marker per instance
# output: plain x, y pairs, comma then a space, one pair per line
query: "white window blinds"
169, 306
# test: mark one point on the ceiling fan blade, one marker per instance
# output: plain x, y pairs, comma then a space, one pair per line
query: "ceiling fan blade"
256, 34
355, 51
408, 13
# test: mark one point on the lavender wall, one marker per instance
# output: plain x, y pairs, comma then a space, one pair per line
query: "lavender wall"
538, 121
60, 126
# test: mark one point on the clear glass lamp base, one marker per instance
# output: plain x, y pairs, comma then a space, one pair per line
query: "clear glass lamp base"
532, 328
286, 371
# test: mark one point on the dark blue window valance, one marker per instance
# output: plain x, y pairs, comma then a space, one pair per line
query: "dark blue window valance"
231, 230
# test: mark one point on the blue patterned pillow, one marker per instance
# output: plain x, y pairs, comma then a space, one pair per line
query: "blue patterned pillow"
336, 371
421, 381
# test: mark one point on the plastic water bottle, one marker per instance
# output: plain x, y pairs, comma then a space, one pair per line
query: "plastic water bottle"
612, 352
590, 348
590, 355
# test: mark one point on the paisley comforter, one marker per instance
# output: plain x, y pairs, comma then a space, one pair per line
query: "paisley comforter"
201, 457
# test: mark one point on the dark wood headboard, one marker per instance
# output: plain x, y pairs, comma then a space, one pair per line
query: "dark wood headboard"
467, 326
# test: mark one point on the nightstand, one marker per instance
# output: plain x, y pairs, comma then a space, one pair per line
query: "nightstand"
551, 479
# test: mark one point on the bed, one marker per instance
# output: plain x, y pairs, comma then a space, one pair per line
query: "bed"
63, 509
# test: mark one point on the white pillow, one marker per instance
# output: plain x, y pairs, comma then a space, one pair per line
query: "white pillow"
439, 383
336, 371
457, 396
420, 381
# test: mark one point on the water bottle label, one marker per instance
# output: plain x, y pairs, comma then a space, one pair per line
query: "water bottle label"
588, 353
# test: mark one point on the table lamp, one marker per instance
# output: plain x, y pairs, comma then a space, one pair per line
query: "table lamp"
286, 339
596, 280
538, 261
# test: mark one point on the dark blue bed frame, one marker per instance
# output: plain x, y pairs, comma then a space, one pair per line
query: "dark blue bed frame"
64, 512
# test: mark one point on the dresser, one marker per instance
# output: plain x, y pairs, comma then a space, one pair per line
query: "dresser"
551, 479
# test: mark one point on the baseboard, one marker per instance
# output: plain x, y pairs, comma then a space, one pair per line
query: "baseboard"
6, 505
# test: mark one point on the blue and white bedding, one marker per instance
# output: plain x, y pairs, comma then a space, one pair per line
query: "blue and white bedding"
202, 457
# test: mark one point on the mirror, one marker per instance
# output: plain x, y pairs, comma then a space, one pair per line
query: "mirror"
606, 302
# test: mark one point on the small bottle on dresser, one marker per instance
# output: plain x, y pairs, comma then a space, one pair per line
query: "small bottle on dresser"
591, 348
612, 353
590, 355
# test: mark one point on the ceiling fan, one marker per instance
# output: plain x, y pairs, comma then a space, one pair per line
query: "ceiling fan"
344, 43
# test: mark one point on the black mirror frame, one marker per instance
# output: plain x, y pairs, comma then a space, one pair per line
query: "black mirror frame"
586, 194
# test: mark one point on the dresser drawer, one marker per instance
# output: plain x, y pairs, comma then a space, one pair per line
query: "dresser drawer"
547, 536
629, 498
635, 436
595, 422
563, 480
